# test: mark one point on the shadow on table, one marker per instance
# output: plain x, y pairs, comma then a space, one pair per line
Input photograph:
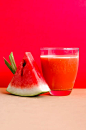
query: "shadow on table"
3, 90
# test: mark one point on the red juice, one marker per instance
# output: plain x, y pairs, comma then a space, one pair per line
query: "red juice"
60, 72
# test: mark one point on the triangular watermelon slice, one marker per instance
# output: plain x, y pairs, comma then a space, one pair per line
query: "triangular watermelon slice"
28, 80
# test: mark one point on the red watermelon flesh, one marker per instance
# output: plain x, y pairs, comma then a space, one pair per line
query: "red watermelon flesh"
28, 80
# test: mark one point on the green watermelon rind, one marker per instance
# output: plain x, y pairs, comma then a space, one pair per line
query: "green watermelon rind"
27, 95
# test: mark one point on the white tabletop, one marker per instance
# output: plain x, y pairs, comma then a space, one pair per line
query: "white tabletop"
43, 112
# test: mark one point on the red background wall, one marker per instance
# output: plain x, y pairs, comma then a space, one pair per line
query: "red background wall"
27, 25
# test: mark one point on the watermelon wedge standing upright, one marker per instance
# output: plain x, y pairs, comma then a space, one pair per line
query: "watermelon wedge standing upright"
28, 80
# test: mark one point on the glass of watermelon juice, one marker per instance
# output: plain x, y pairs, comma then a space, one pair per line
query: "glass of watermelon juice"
59, 67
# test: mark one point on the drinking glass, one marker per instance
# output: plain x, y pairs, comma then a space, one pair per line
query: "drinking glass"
59, 67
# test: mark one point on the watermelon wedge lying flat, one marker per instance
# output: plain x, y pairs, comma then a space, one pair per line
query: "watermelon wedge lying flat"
28, 80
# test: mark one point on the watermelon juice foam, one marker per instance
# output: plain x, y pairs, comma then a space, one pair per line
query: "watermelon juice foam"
59, 67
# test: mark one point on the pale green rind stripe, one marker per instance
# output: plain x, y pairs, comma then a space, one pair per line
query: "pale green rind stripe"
34, 91
33, 95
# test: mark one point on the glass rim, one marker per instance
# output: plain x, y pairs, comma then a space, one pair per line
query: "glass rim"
59, 48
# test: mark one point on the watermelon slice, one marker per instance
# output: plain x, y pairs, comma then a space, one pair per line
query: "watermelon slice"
27, 80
